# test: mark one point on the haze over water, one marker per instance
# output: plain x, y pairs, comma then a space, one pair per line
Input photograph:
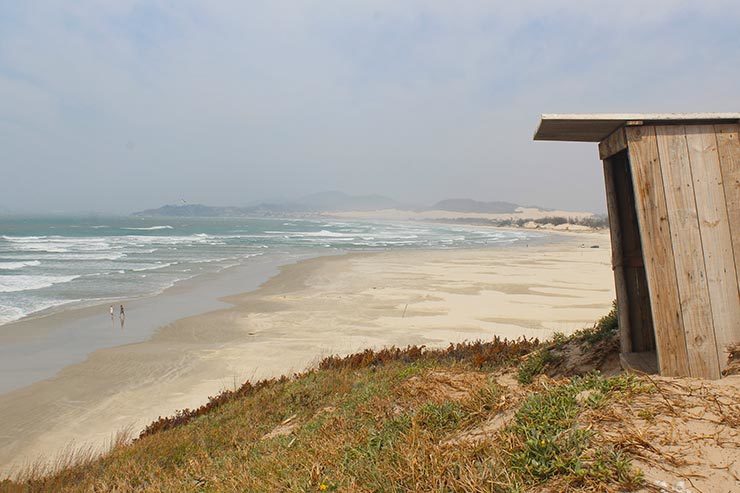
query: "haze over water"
50, 262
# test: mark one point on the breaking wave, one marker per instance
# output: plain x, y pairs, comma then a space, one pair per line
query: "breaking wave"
150, 228
9, 284
18, 265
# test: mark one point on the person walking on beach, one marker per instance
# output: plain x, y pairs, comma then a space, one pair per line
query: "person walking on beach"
111, 311
122, 313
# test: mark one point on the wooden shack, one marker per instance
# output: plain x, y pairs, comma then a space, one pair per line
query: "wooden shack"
673, 198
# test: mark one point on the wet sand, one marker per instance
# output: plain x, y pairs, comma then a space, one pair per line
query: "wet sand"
36, 348
314, 308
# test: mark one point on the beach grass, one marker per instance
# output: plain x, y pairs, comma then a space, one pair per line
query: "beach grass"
412, 419
604, 330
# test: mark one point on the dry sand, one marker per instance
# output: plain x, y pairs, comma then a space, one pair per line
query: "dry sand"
311, 309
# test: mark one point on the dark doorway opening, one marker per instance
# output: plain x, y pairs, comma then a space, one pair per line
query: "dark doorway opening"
638, 337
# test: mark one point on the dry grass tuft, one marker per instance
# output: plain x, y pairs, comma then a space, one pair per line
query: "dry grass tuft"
184, 416
73, 458
591, 349
477, 353
441, 386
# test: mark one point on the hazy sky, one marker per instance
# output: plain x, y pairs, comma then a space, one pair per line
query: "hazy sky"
123, 105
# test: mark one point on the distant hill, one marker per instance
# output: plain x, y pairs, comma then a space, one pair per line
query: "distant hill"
317, 202
469, 205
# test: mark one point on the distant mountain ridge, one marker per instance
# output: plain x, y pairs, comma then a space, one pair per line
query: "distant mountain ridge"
331, 201
317, 202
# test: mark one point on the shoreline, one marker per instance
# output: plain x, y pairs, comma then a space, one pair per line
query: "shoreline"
308, 310
77, 331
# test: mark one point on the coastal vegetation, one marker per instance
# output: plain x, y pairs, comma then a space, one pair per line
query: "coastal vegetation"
482, 416
596, 221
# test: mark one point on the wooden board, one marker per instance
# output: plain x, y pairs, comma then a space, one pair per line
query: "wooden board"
613, 144
715, 233
687, 247
615, 233
596, 127
728, 145
657, 250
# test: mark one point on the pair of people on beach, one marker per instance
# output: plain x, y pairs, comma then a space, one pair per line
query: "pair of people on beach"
112, 312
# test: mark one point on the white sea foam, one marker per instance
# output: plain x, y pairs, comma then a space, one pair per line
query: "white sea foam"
211, 260
323, 234
152, 267
18, 265
58, 244
21, 238
140, 240
150, 228
12, 313
75, 256
9, 284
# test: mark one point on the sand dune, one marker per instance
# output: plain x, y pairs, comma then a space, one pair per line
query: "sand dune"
526, 213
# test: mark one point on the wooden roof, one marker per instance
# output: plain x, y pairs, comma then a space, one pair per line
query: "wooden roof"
596, 127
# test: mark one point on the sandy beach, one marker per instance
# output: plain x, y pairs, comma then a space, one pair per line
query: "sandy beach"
317, 307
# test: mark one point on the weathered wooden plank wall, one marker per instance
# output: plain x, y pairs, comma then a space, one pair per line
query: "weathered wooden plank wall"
657, 250
714, 224
687, 247
728, 144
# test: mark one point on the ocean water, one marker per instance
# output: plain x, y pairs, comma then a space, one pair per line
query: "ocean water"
46, 263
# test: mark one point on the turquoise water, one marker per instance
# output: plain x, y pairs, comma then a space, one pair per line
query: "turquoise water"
51, 262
